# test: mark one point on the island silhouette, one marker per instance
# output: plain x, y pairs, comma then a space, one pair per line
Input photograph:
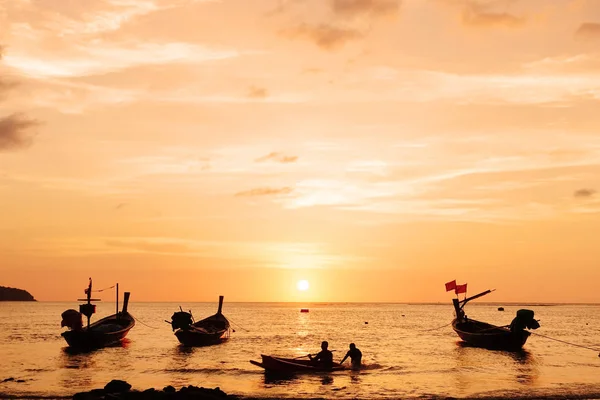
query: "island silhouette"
14, 294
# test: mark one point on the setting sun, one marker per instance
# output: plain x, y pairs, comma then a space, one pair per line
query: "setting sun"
303, 285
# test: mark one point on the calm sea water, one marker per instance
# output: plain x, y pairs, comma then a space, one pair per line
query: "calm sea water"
406, 356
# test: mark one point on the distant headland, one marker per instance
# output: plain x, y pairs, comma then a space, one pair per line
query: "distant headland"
13, 294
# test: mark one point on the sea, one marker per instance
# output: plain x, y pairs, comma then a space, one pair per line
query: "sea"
409, 350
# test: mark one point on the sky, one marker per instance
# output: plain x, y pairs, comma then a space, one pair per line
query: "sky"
375, 148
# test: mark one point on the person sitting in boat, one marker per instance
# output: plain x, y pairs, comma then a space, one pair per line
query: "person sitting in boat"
324, 357
355, 356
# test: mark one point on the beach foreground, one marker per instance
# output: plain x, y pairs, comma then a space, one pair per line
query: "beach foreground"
122, 390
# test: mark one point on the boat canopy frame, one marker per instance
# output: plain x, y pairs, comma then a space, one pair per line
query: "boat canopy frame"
460, 304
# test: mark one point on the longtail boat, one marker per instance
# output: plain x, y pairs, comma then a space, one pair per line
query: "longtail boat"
104, 332
481, 334
279, 365
211, 330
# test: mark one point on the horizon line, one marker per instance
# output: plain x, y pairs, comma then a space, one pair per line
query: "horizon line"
537, 303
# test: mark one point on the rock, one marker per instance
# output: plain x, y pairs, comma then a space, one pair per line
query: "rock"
86, 396
169, 389
117, 386
93, 394
120, 390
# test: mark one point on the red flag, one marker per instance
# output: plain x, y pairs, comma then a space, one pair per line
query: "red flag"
451, 285
460, 289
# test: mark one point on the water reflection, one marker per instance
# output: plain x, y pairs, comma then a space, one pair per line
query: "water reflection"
180, 358
303, 324
519, 366
76, 368
527, 372
125, 343
73, 360
355, 377
182, 351
278, 379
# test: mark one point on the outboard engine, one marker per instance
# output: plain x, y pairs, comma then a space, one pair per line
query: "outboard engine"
524, 319
181, 320
72, 319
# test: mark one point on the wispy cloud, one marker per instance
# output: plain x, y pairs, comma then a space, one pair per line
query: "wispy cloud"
326, 36
15, 132
584, 193
480, 14
588, 30
120, 206
92, 18
255, 92
104, 58
277, 157
162, 246
265, 191
365, 7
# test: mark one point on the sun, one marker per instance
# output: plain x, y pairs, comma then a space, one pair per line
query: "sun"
303, 285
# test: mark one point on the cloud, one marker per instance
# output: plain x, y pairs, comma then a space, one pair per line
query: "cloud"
588, 30
277, 157
255, 92
266, 191
120, 206
365, 7
284, 6
152, 246
4, 84
584, 193
14, 131
480, 15
328, 37
100, 59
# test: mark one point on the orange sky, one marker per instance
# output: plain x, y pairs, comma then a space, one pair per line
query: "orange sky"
377, 148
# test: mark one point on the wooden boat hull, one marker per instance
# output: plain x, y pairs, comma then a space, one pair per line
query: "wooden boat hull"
190, 337
481, 334
105, 332
209, 331
280, 365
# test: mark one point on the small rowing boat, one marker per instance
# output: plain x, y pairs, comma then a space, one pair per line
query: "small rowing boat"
211, 330
104, 332
281, 365
481, 334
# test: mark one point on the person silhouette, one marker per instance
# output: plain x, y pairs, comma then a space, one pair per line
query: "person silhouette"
355, 356
324, 357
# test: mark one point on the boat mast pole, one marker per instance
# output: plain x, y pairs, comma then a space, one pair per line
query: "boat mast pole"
220, 305
89, 301
117, 305
458, 310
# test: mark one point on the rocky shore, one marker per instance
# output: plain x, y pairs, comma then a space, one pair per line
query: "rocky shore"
121, 390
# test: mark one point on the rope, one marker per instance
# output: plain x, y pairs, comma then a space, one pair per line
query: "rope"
435, 329
239, 326
565, 342
151, 327
102, 290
